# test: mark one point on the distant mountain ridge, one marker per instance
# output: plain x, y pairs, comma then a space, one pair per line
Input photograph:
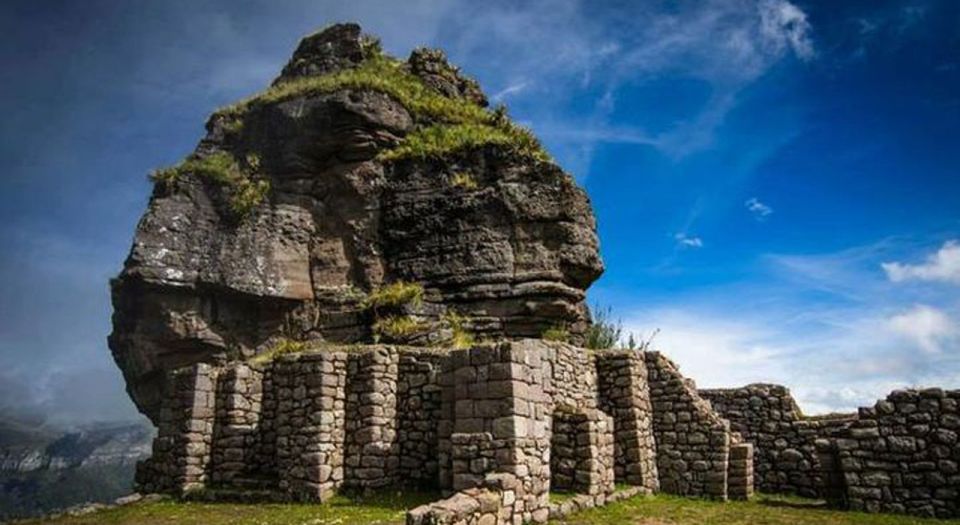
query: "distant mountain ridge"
44, 468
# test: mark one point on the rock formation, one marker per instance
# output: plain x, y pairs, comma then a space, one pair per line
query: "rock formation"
352, 173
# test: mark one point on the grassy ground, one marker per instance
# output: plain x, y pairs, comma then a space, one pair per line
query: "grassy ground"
380, 509
390, 509
762, 510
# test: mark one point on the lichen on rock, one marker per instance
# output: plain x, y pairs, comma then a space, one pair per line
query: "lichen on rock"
353, 171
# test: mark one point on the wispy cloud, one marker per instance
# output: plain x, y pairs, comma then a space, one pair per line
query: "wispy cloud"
941, 266
512, 89
688, 241
927, 327
759, 210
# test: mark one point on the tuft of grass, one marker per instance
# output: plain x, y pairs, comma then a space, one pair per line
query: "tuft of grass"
282, 347
245, 193
603, 333
556, 333
462, 179
395, 294
440, 140
397, 326
462, 338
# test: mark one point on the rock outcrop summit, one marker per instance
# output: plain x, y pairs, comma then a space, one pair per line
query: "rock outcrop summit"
359, 198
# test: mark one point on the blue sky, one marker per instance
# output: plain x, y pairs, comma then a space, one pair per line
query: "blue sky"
777, 183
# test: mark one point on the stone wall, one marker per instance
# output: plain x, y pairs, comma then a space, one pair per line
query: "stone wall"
766, 415
693, 442
901, 455
498, 421
419, 410
625, 395
181, 450
372, 452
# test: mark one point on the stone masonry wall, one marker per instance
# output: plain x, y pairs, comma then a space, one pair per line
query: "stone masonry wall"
766, 415
693, 443
901, 455
181, 450
236, 437
476, 423
625, 395
419, 411
310, 424
372, 452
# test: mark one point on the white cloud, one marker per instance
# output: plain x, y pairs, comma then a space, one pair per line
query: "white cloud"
783, 25
687, 241
759, 210
926, 327
941, 266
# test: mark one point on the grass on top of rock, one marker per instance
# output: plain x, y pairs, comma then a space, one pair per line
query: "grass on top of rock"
462, 338
556, 333
440, 140
378, 73
395, 294
453, 122
396, 327
244, 193
464, 180
281, 347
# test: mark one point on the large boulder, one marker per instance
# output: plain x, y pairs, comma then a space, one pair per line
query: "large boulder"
352, 172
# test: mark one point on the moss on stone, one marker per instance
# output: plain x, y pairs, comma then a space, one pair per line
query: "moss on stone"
556, 333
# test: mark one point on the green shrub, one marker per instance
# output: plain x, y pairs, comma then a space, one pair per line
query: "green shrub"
556, 333
395, 294
244, 193
603, 332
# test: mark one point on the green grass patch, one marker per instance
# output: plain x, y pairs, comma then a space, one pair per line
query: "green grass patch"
281, 347
378, 73
245, 193
556, 333
381, 509
463, 180
397, 326
762, 510
440, 140
453, 123
462, 338
395, 294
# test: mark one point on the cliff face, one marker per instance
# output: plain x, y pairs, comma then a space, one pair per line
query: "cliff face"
351, 172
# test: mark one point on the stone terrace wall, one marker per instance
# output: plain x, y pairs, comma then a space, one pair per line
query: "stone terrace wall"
766, 415
693, 442
901, 455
